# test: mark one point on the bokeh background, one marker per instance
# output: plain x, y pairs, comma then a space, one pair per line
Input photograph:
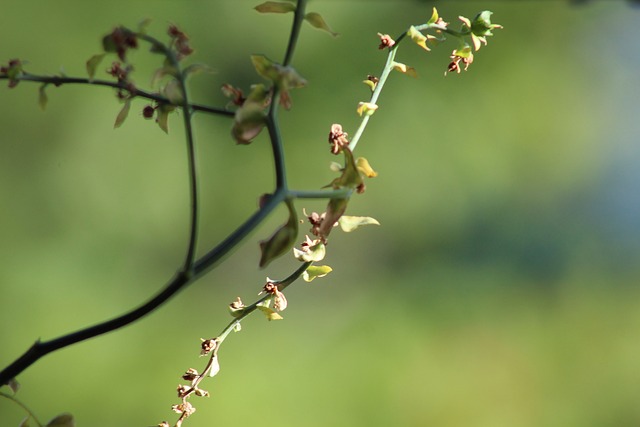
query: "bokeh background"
500, 290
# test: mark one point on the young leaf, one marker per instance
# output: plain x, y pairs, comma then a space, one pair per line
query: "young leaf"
316, 20
314, 271
63, 420
92, 64
122, 115
350, 223
42, 97
173, 92
275, 7
365, 168
194, 69
434, 17
314, 253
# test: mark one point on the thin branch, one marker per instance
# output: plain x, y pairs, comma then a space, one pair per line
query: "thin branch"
59, 81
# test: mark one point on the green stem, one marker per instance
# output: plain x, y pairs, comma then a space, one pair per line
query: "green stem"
320, 194
23, 406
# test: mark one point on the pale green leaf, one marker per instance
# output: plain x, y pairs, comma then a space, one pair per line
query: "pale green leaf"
350, 223
215, 367
316, 20
122, 115
316, 271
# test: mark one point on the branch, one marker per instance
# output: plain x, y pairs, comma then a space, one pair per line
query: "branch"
59, 81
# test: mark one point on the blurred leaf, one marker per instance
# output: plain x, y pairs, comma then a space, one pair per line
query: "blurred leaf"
350, 223
316, 20
42, 97
63, 420
314, 271
14, 385
122, 115
143, 25
194, 69
275, 7
92, 64
25, 422
162, 116
173, 92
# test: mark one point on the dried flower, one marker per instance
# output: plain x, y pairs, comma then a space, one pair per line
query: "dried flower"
337, 138
385, 41
208, 346
190, 375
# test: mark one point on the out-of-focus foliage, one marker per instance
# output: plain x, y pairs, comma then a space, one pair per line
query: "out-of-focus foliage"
500, 289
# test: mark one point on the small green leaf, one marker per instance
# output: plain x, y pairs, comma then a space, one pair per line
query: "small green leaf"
314, 271
63, 420
42, 97
122, 115
25, 422
316, 20
173, 92
275, 7
265, 67
365, 168
92, 64
162, 116
269, 312
350, 223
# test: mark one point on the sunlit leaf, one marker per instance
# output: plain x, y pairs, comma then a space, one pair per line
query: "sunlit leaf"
434, 16
63, 420
316, 271
404, 69
215, 366
122, 115
366, 108
316, 20
275, 7
350, 223
92, 64
269, 312
418, 38
365, 168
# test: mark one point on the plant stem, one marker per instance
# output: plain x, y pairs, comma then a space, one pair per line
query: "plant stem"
23, 406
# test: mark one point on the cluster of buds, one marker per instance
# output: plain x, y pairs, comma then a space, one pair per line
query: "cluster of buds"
179, 42
120, 40
337, 138
122, 75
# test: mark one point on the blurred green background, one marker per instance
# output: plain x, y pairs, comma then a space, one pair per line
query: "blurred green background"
500, 290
